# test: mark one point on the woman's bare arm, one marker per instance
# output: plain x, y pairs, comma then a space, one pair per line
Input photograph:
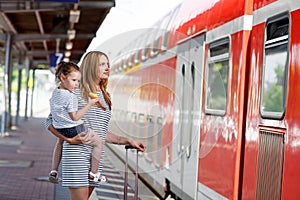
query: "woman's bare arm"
120, 140
74, 140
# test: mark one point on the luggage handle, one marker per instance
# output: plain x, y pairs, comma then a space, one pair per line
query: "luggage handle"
129, 147
126, 173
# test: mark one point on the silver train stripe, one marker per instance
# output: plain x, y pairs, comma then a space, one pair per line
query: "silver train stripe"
280, 6
239, 24
205, 193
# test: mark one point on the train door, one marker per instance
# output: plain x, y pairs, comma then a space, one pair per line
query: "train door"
270, 134
187, 116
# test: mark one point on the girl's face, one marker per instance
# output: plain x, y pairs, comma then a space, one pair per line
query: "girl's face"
104, 67
71, 81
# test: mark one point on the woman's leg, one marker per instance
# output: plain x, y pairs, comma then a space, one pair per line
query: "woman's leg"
91, 190
79, 193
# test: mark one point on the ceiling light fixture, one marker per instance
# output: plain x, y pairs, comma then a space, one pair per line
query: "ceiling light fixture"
74, 16
71, 34
66, 59
69, 45
67, 53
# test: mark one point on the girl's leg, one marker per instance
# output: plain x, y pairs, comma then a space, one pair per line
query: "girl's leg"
57, 151
96, 154
96, 142
79, 193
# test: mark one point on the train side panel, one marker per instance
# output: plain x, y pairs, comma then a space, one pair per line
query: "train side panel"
291, 175
272, 132
224, 92
222, 118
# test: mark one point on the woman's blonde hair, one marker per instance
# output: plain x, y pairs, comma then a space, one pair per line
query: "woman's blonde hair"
90, 72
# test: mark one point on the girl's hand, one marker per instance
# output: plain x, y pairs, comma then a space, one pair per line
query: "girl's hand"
94, 96
92, 101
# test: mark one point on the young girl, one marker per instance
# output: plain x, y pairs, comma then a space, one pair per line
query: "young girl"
67, 117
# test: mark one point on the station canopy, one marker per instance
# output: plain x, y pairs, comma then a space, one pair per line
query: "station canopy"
39, 28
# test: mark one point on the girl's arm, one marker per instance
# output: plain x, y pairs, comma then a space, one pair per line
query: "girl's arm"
75, 116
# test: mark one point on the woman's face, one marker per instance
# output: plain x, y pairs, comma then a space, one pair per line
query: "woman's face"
104, 67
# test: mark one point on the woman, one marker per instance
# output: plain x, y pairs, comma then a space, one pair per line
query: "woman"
95, 71
67, 118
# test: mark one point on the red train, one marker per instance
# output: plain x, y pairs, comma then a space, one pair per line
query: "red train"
212, 90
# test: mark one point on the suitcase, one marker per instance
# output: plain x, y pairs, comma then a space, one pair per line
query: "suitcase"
126, 174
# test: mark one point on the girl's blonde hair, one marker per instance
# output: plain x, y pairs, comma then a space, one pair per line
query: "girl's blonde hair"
90, 70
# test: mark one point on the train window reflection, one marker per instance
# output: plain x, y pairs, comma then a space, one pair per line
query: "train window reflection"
217, 78
168, 29
145, 53
159, 141
273, 97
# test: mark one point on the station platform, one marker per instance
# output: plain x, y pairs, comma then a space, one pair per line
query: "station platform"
25, 161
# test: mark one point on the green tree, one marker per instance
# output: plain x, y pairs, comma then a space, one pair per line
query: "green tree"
273, 96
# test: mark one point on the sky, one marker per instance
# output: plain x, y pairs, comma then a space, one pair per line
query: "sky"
127, 16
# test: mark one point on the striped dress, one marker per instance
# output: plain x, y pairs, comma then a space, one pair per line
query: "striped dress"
76, 159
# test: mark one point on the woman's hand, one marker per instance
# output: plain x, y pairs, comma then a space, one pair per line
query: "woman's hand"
138, 145
74, 140
120, 140
88, 137
82, 138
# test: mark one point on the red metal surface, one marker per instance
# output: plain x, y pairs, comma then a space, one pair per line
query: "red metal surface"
290, 122
257, 4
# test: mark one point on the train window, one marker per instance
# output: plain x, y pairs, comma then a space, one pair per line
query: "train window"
138, 49
159, 132
155, 35
145, 53
168, 29
141, 126
217, 77
155, 47
132, 124
162, 30
133, 117
274, 80
138, 57
128, 122
150, 134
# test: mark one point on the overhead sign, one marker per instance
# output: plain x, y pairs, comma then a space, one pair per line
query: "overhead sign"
55, 58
